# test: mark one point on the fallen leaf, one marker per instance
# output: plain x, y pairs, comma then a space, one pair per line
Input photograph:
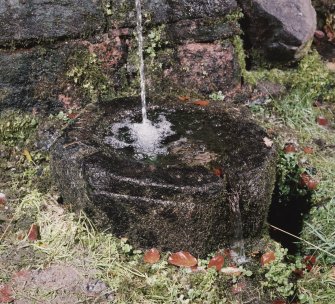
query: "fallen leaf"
298, 272
218, 172
290, 148
20, 235
310, 261
72, 115
216, 262
151, 256
268, 258
184, 98
33, 233
201, 103
182, 259
322, 121
308, 150
6, 294
27, 154
268, 142
233, 271
2, 199
307, 181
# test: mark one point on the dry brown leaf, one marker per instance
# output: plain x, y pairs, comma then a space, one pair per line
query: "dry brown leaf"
151, 256
268, 258
33, 233
184, 98
216, 262
182, 259
201, 103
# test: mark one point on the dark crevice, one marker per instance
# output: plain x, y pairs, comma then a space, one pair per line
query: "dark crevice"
35, 42
247, 45
288, 214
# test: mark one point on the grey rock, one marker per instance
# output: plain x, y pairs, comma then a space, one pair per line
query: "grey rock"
174, 202
200, 30
22, 72
167, 11
281, 29
24, 22
34, 77
199, 67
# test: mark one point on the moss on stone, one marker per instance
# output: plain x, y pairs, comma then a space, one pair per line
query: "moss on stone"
16, 127
86, 72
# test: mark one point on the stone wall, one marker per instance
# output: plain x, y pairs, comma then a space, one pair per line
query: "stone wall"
65, 53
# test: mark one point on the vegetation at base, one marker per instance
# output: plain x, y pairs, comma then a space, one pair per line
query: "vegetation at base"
279, 273
311, 76
293, 119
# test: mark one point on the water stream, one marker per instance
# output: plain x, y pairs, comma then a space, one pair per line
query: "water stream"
146, 137
140, 55
237, 246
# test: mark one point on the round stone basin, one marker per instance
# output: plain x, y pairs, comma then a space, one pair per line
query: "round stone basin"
179, 196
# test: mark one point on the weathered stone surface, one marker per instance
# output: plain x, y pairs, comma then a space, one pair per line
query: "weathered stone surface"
166, 11
199, 67
174, 202
281, 29
200, 30
25, 74
36, 77
24, 22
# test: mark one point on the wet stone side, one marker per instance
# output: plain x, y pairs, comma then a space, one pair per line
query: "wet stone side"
180, 207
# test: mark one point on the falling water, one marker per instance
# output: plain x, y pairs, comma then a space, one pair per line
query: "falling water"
145, 138
238, 250
140, 54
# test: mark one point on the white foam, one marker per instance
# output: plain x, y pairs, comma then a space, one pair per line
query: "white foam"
146, 137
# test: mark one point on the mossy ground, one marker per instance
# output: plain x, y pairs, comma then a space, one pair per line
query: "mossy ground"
70, 238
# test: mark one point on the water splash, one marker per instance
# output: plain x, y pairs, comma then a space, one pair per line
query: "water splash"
237, 247
145, 138
140, 54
